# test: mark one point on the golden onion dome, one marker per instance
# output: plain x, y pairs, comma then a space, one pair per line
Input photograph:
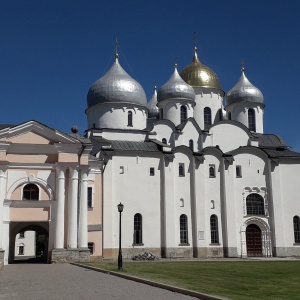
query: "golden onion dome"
197, 74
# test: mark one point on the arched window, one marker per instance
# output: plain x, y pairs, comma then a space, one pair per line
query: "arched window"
214, 233
251, 119
229, 115
183, 229
191, 145
255, 205
183, 113
30, 192
137, 229
212, 172
296, 221
129, 119
181, 171
164, 140
207, 117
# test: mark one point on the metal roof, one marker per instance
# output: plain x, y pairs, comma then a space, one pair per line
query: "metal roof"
269, 140
134, 146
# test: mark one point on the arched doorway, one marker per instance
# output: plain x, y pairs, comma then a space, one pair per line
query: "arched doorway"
254, 240
34, 236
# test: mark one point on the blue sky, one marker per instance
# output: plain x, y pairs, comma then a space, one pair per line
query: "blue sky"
52, 51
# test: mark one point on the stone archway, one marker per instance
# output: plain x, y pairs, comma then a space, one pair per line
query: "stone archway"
41, 228
260, 233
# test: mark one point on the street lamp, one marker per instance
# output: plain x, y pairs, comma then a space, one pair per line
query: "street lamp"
120, 259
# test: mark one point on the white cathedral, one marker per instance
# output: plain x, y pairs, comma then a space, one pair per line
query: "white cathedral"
193, 168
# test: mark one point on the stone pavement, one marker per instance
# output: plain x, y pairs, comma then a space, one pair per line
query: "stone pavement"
64, 281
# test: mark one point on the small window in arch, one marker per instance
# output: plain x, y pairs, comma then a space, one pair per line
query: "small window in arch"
212, 171
229, 116
91, 247
181, 202
296, 221
207, 118
152, 171
21, 250
164, 140
183, 230
214, 232
181, 170
137, 230
129, 119
30, 192
191, 145
183, 113
90, 197
251, 119
238, 171
21, 234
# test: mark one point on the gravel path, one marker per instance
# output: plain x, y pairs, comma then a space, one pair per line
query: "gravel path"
63, 281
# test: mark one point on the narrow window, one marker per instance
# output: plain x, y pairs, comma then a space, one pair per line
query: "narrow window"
90, 197
183, 113
207, 118
129, 119
137, 230
164, 140
251, 119
238, 171
181, 170
91, 247
181, 202
255, 205
21, 234
21, 250
191, 145
161, 113
296, 221
183, 229
214, 233
212, 172
229, 116
212, 204
30, 192
152, 172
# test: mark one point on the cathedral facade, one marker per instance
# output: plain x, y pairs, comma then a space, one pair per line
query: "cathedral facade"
196, 173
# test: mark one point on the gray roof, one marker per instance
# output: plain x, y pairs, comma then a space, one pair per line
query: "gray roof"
281, 152
116, 86
134, 146
80, 138
268, 140
3, 126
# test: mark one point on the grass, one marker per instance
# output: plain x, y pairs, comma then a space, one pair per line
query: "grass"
231, 279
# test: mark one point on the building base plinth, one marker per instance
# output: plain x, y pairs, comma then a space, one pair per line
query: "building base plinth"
70, 255
1, 258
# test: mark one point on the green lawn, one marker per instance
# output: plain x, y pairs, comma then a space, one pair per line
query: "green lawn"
231, 279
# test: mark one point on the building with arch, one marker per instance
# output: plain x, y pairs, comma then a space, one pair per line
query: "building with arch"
196, 173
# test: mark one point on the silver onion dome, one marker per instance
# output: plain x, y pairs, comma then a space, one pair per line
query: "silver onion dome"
175, 88
244, 91
152, 105
116, 86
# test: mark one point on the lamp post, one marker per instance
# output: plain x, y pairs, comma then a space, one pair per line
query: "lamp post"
120, 259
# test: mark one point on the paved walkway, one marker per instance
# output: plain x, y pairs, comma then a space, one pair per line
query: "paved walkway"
64, 281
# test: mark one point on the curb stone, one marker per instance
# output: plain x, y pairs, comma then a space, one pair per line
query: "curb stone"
153, 283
